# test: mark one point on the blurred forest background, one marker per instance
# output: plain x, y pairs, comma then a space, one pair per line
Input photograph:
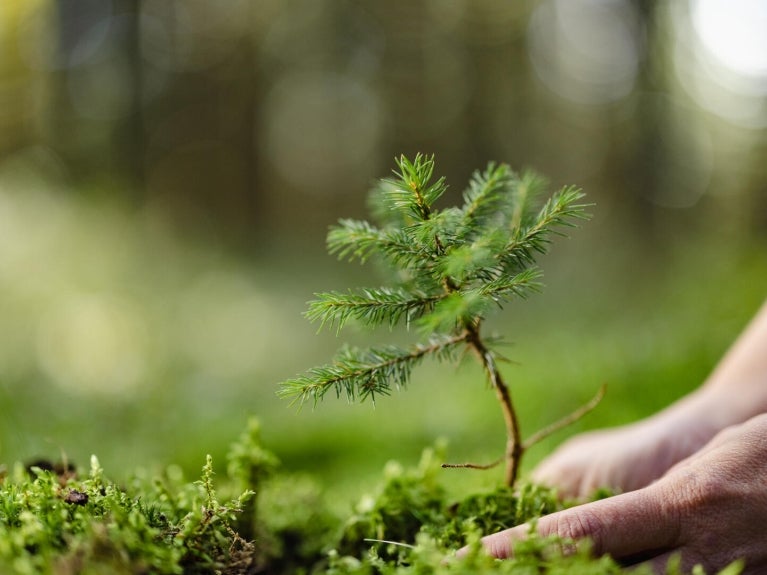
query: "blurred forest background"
168, 170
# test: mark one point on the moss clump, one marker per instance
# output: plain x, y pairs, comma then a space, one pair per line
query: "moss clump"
54, 523
64, 522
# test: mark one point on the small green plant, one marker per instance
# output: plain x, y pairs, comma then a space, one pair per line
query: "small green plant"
59, 523
452, 268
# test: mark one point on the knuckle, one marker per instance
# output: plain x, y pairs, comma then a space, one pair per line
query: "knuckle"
579, 524
499, 546
695, 490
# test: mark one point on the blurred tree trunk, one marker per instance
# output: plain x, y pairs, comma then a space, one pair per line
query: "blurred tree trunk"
129, 133
98, 146
72, 19
647, 157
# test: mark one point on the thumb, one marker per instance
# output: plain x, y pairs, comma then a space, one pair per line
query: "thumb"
635, 524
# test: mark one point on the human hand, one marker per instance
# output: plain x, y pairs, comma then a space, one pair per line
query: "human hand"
711, 508
628, 457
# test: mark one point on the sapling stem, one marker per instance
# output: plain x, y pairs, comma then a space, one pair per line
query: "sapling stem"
514, 447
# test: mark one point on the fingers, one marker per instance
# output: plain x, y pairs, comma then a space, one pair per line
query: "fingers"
499, 545
571, 469
582, 482
624, 526
567, 484
584, 463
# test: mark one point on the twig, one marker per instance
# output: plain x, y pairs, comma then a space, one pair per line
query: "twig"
389, 543
565, 421
472, 465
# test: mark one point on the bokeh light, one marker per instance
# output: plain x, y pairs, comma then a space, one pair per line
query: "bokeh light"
319, 126
95, 344
587, 51
191, 36
225, 326
733, 31
721, 57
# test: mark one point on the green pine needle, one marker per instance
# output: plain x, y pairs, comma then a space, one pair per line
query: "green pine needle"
520, 285
370, 306
352, 239
487, 195
412, 192
364, 374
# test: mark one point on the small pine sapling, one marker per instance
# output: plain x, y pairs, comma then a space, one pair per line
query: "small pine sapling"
452, 268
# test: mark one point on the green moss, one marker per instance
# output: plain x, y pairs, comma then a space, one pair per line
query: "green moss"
62, 522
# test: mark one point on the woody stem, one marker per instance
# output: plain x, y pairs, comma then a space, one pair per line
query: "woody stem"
514, 445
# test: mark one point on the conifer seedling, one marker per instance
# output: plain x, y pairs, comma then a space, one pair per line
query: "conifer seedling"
452, 268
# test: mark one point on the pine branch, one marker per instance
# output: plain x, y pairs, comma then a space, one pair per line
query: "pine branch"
487, 196
355, 239
455, 310
558, 211
518, 285
412, 192
514, 249
365, 373
372, 306
527, 190
444, 224
475, 262
414, 247
465, 261
561, 209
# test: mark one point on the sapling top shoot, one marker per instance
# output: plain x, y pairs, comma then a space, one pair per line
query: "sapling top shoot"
452, 268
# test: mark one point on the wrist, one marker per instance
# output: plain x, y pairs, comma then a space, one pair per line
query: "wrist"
713, 408
697, 417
